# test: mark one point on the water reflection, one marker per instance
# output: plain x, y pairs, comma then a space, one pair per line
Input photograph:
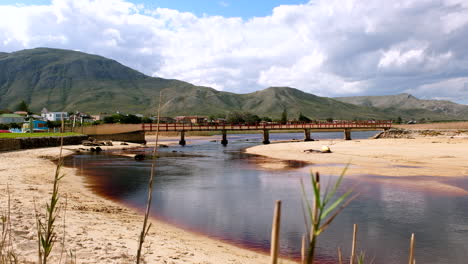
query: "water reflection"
221, 192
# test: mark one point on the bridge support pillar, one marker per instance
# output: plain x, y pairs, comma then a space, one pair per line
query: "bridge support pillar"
307, 136
224, 141
266, 136
347, 134
182, 138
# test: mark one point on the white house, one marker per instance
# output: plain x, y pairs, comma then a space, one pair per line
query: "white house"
53, 116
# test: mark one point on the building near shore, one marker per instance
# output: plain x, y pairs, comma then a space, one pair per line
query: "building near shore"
11, 118
37, 126
191, 119
53, 116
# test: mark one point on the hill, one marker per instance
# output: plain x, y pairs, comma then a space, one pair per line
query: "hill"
65, 80
407, 105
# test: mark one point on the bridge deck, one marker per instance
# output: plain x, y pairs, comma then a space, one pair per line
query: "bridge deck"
365, 125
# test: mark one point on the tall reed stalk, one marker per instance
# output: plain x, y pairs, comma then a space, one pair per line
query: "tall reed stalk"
7, 253
46, 227
146, 226
324, 209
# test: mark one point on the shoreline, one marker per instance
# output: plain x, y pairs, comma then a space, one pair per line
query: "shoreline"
98, 229
389, 160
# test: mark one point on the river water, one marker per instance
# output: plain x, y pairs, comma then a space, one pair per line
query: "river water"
223, 193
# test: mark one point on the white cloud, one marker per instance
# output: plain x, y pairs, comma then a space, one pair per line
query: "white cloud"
330, 48
445, 90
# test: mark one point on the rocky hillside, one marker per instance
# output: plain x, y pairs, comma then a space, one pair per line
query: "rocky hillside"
75, 81
406, 104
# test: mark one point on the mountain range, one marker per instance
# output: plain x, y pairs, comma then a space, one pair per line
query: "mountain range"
65, 80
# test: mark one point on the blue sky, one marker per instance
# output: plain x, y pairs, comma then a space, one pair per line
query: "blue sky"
227, 8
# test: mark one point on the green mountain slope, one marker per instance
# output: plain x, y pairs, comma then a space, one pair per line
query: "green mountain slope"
64, 80
408, 105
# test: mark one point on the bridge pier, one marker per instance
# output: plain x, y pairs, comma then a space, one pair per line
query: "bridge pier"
266, 136
347, 134
182, 138
224, 141
307, 136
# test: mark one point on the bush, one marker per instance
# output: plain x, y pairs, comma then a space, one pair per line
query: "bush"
303, 118
122, 119
242, 117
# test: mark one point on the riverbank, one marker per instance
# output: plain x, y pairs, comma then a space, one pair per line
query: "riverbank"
411, 162
97, 230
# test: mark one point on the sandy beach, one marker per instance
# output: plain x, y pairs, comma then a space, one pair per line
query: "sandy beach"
396, 160
97, 230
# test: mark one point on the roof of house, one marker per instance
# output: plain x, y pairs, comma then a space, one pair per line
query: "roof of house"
11, 115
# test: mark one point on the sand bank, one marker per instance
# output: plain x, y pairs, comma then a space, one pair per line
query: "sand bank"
398, 159
97, 230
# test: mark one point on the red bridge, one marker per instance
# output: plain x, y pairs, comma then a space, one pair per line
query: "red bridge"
345, 126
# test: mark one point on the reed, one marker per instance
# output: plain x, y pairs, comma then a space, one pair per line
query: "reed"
340, 256
324, 209
7, 252
353, 246
411, 250
46, 225
275, 233
146, 227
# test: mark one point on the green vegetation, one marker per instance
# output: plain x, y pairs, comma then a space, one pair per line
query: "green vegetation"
71, 81
46, 234
125, 119
23, 107
10, 125
24, 135
322, 212
284, 117
303, 118
237, 117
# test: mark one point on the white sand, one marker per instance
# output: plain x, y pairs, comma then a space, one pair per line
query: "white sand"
423, 156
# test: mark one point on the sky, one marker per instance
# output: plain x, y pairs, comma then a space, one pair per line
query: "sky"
325, 47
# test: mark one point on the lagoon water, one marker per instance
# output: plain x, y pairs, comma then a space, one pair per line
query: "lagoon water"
221, 192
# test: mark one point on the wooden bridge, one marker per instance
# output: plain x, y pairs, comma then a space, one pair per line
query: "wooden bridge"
345, 126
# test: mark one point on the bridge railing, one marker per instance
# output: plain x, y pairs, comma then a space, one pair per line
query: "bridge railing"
270, 126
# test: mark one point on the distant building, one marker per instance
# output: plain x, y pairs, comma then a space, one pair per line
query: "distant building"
11, 118
38, 126
100, 116
163, 119
53, 116
191, 119
79, 117
21, 113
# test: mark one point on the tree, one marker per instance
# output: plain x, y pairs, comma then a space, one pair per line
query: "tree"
399, 120
235, 117
250, 118
266, 119
303, 118
130, 119
147, 120
330, 119
111, 119
52, 124
23, 106
284, 117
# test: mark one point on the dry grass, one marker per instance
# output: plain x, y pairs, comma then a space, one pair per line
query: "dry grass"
446, 125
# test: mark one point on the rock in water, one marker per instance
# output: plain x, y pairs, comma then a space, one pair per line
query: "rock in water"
139, 157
